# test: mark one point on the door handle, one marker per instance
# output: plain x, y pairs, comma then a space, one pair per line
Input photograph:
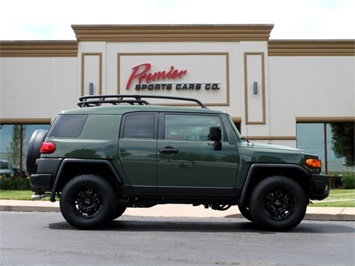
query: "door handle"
169, 150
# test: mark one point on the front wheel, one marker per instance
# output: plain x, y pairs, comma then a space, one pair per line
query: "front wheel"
278, 203
245, 211
88, 201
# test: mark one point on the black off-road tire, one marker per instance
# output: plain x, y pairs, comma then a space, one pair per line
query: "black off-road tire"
278, 203
34, 146
245, 211
88, 201
118, 212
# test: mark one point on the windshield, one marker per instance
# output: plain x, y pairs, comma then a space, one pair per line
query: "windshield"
4, 165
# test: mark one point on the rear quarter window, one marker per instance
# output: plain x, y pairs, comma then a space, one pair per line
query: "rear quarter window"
67, 126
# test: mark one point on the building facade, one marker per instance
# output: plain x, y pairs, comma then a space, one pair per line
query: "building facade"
277, 91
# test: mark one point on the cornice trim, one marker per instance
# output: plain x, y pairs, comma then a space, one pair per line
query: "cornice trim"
172, 33
311, 47
38, 48
344, 119
237, 119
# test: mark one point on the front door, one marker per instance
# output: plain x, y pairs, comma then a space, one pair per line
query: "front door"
187, 162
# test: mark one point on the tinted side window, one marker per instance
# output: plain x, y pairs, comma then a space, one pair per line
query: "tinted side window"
139, 126
67, 126
189, 127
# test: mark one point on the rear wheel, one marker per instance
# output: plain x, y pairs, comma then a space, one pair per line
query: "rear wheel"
88, 201
278, 203
118, 212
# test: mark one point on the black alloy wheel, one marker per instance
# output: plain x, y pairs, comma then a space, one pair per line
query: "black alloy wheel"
278, 203
88, 201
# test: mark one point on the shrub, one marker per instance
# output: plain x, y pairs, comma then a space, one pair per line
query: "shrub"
14, 183
335, 182
348, 181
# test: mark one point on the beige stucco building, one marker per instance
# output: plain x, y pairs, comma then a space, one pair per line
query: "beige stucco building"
267, 86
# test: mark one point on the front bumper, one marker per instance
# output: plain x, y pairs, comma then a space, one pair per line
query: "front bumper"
320, 185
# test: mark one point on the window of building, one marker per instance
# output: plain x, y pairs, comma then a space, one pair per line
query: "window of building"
14, 140
317, 138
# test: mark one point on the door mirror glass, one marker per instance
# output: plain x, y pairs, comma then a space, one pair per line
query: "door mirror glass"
215, 134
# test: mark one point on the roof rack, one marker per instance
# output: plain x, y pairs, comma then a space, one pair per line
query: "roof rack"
98, 100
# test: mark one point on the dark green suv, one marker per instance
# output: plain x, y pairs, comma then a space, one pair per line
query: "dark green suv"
119, 151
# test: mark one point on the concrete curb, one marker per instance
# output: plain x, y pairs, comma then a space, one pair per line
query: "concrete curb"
28, 206
178, 210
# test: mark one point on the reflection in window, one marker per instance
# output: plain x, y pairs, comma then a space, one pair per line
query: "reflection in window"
189, 127
14, 142
139, 126
317, 138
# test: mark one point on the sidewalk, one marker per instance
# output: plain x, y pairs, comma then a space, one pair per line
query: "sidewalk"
179, 210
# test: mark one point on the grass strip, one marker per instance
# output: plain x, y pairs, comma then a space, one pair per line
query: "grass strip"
337, 198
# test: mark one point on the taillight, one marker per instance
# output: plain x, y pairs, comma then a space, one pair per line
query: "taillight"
47, 147
314, 163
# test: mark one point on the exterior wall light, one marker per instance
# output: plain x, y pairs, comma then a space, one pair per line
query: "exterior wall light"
255, 87
91, 88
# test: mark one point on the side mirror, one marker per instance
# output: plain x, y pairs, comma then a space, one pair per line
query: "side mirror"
216, 136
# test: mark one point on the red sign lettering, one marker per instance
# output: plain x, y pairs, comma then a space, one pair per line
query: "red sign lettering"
141, 73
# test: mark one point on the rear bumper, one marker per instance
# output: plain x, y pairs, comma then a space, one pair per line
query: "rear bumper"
43, 180
41, 183
320, 187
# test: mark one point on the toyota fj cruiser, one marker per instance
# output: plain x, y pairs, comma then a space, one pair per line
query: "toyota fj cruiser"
119, 151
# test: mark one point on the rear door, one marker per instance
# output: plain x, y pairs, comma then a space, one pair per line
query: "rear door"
137, 150
187, 162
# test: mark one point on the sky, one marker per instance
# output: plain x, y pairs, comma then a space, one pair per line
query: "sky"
301, 19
